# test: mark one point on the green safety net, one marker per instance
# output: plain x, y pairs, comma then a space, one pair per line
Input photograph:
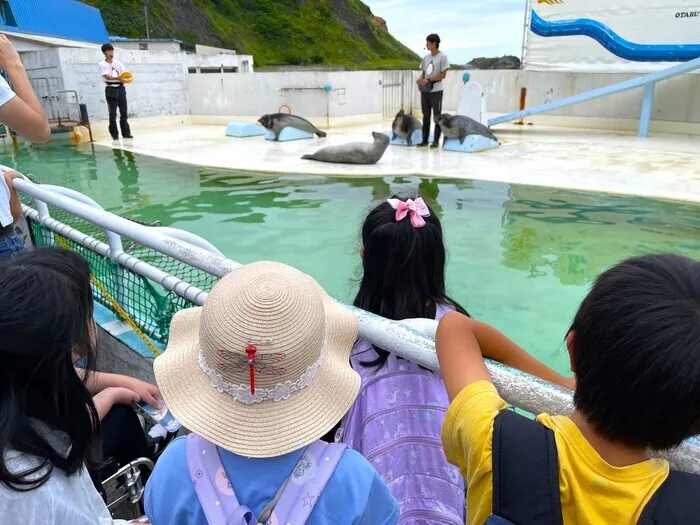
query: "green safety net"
149, 305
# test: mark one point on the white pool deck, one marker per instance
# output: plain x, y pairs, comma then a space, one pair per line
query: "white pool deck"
661, 166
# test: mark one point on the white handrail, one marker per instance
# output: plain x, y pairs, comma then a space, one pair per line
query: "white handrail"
115, 242
403, 339
189, 237
167, 281
182, 251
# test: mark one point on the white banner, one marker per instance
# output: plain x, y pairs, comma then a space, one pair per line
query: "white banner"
611, 35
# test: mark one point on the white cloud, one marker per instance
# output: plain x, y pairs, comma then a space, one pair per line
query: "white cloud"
467, 28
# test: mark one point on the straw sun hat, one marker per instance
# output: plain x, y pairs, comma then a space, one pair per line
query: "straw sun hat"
273, 324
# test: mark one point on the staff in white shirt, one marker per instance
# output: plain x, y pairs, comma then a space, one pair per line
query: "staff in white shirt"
115, 93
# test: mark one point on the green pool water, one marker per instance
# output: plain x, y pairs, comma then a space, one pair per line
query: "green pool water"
520, 257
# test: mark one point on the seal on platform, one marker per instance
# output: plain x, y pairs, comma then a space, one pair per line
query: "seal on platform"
353, 152
459, 126
276, 122
404, 126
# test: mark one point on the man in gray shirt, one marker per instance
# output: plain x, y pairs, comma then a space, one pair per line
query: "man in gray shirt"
434, 69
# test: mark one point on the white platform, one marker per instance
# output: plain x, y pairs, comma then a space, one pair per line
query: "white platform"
660, 166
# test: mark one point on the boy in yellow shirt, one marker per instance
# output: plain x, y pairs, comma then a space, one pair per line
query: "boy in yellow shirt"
635, 352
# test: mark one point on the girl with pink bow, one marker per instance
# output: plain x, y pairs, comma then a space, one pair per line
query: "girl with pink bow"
403, 263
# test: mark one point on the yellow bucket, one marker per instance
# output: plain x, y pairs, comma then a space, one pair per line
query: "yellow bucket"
126, 77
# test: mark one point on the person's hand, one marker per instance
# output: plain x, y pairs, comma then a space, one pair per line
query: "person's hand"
8, 54
12, 174
146, 392
120, 396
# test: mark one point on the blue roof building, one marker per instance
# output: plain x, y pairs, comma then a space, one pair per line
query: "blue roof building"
67, 19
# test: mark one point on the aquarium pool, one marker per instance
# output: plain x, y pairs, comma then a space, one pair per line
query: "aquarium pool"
520, 257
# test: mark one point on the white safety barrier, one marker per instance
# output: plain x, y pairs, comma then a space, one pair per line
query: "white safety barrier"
411, 339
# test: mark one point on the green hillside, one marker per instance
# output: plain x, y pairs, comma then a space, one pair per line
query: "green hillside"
300, 32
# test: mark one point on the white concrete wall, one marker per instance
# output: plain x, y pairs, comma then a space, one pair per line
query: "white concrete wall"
173, 47
42, 64
244, 63
354, 93
210, 50
677, 99
158, 88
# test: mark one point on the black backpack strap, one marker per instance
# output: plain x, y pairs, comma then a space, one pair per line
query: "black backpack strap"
676, 502
525, 471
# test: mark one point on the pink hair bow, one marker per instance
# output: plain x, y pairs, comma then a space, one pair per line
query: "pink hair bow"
417, 209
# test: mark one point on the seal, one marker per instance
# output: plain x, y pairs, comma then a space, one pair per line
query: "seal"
404, 126
276, 122
353, 152
459, 126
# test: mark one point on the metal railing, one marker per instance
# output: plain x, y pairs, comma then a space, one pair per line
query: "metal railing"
411, 339
62, 106
648, 82
398, 89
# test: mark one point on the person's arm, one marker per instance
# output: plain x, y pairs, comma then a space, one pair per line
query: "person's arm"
437, 78
107, 398
462, 343
15, 203
421, 79
445, 65
22, 113
100, 381
106, 71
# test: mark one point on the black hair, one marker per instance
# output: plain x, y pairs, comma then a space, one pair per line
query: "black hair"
46, 315
636, 352
107, 47
403, 268
432, 37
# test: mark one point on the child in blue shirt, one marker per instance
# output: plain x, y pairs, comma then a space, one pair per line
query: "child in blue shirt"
259, 374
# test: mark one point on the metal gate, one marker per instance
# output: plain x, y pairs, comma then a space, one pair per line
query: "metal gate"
61, 106
397, 92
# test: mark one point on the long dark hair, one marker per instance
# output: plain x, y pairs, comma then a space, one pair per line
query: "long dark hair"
403, 268
46, 315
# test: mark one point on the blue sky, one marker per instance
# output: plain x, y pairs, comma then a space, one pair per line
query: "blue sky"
467, 28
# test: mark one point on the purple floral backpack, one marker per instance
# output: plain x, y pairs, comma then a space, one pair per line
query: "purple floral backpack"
294, 501
395, 423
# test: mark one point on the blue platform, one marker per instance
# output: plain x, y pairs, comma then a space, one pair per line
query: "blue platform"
401, 141
472, 144
241, 129
289, 134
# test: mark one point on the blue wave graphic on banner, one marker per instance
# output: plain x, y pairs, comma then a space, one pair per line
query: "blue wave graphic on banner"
614, 42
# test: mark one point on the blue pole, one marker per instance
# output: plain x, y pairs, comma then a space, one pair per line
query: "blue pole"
647, 107
632, 83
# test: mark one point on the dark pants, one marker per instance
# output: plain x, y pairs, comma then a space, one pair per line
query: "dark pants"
123, 440
116, 97
431, 102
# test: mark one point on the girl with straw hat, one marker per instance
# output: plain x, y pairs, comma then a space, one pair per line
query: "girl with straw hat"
258, 375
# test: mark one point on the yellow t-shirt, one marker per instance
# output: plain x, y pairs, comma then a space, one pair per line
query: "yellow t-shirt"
592, 491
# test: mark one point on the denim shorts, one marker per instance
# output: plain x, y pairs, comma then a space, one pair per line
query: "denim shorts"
10, 245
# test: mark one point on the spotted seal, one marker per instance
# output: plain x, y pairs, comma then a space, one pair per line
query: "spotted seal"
404, 126
459, 126
276, 122
353, 152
